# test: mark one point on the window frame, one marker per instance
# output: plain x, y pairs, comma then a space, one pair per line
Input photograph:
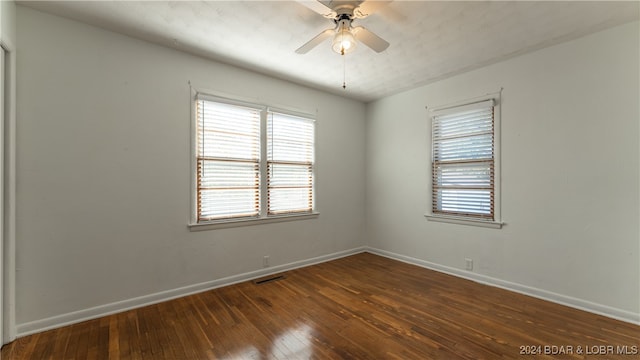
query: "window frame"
496, 222
263, 216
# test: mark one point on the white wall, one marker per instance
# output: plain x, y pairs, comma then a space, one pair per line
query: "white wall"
570, 163
104, 172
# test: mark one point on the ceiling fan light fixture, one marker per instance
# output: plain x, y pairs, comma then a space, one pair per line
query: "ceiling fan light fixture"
343, 42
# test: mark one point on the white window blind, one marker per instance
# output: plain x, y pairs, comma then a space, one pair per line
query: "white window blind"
290, 163
228, 160
463, 161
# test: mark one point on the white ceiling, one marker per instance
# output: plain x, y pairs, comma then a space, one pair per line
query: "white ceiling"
430, 40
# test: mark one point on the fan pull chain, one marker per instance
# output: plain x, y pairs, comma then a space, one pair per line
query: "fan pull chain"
344, 70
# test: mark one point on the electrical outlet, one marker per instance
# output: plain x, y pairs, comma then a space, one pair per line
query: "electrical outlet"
265, 261
469, 264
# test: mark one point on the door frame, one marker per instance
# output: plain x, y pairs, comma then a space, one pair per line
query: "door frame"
8, 195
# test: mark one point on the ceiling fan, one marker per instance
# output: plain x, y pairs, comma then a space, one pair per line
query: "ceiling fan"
345, 36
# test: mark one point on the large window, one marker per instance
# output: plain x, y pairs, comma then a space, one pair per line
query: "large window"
463, 163
251, 162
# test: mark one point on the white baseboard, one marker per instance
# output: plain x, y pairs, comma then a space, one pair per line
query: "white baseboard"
580, 304
120, 306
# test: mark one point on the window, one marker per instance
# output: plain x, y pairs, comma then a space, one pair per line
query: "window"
290, 156
464, 163
228, 161
251, 162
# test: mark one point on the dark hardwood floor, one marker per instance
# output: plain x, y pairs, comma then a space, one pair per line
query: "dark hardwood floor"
360, 307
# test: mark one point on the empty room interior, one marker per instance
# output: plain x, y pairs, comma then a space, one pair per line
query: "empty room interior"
320, 179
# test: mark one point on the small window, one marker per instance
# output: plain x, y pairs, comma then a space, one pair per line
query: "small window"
463, 163
251, 162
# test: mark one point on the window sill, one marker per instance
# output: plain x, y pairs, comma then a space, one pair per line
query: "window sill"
464, 221
229, 223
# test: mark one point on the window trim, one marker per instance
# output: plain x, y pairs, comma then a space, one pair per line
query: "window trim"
263, 217
240, 222
496, 223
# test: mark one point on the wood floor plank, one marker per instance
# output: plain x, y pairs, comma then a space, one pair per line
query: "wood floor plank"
359, 307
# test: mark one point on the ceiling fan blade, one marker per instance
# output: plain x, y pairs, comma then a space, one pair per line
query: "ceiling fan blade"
315, 41
318, 7
369, 7
370, 39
